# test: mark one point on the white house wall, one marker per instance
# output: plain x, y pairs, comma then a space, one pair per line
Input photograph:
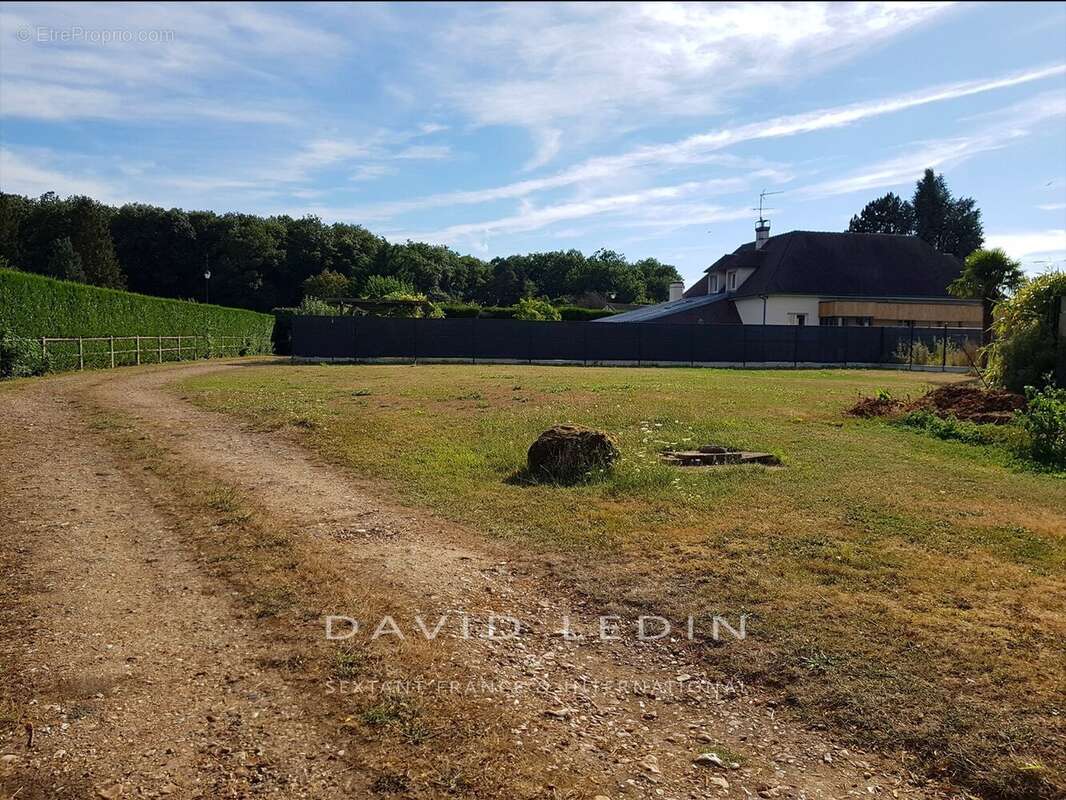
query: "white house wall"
778, 308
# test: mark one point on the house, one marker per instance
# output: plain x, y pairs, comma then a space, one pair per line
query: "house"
821, 278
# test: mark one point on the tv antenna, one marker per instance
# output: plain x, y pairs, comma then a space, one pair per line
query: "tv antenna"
762, 196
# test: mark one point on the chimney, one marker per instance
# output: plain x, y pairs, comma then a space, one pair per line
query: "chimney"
762, 233
677, 289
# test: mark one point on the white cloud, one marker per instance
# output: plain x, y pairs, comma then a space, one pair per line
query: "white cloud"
588, 68
1007, 125
370, 172
548, 143
646, 202
1052, 206
1025, 245
703, 148
207, 60
20, 175
424, 152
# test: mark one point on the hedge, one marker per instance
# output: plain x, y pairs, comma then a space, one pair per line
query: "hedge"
33, 306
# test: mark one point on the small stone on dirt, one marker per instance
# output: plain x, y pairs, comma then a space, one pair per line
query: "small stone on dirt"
709, 760
559, 713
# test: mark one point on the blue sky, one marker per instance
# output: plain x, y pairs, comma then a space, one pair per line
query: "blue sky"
648, 129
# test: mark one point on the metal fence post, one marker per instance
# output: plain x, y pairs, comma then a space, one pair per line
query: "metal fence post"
159, 342
910, 355
944, 355
111, 340
138, 351
44, 347
81, 354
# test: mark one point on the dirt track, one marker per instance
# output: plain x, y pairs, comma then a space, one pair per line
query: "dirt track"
144, 671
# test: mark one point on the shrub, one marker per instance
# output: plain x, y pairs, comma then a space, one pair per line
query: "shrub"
947, 428
529, 308
21, 358
1045, 421
569, 313
380, 286
326, 284
1023, 351
314, 307
410, 305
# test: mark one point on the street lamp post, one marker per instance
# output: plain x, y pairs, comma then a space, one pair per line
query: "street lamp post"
207, 286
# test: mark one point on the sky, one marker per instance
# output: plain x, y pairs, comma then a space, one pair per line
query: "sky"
649, 129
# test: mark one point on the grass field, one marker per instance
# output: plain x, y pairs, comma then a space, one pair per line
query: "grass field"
905, 591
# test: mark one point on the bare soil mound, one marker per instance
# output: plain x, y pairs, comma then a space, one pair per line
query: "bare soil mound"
875, 407
983, 406
994, 406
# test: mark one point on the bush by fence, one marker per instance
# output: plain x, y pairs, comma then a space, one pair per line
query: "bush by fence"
364, 338
568, 313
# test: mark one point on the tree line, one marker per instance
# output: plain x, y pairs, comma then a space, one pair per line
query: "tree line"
950, 224
265, 262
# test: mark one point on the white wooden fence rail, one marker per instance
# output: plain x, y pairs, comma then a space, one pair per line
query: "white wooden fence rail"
115, 350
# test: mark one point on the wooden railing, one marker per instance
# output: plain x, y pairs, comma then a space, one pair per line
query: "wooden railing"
82, 352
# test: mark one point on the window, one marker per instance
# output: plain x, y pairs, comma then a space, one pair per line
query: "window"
714, 284
801, 319
732, 281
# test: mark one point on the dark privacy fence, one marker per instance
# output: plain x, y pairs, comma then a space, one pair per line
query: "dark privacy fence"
370, 338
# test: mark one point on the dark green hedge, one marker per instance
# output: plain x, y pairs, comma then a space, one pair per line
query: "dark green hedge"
34, 306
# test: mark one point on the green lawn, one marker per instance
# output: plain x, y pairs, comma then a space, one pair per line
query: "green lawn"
904, 590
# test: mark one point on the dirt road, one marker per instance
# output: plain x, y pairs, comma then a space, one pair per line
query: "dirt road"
166, 577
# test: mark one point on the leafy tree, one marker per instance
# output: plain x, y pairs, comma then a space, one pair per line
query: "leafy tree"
509, 282
326, 284
530, 308
1024, 350
308, 248
949, 225
963, 231
90, 233
64, 262
356, 251
159, 250
14, 209
887, 214
383, 285
260, 263
987, 275
657, 278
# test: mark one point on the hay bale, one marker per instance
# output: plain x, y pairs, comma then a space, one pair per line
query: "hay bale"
568, 454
